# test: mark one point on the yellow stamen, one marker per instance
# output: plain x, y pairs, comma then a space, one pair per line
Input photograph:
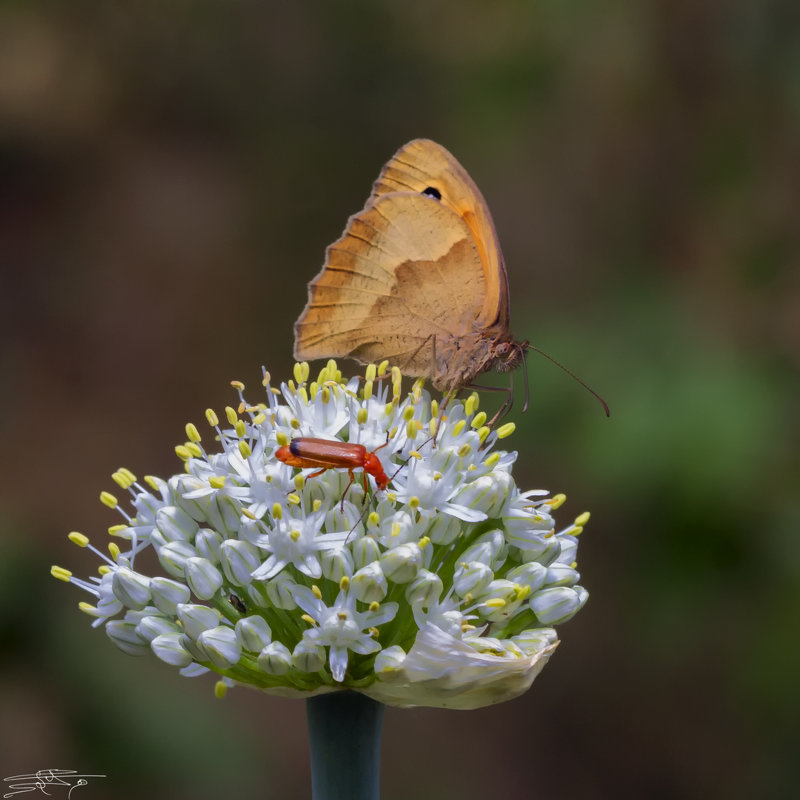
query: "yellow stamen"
193, 450
61, 574
491, 460
478, 420
506, 430
108, 499
192, 434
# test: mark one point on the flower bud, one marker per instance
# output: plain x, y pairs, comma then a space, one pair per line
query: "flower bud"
207, 544
533, 575
169, 649
535, 639
425, 589
275, 659
222, 646
444, 529
401, 563
369, 584
131, 588
166, 594
365, 551
279, 592
488, 493
238, 560
254, 633
308, 657
196, 619
203, 577
389, 661
501, 600
554, 606
124, 636
195, 507
150, 626
489, 548
175, 525
172, 557
336, 563
561, 575
223, 514
472, 578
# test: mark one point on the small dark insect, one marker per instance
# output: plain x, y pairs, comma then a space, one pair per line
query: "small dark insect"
237, 603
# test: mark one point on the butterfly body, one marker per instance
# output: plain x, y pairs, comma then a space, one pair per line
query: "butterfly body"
417, 277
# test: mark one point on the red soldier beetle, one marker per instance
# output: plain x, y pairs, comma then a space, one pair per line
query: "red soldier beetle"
306, 451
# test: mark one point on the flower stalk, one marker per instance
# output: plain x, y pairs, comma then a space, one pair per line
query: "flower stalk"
345, 740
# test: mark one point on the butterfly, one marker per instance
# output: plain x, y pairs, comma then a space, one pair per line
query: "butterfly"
417, 278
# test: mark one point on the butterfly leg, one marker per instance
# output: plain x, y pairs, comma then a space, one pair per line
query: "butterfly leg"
507, 403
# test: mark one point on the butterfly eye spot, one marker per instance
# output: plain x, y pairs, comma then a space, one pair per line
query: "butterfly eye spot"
433, 192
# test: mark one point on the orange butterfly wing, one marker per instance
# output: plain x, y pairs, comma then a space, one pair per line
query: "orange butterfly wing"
423, 164
417, 277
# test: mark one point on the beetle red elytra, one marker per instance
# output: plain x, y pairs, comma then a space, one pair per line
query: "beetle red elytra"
306, 451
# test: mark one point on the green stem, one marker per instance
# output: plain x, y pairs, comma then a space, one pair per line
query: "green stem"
345, 734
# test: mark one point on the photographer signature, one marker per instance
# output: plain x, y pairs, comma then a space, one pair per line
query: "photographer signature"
44, 779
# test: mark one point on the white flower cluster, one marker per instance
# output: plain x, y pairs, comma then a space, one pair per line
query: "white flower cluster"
442, 590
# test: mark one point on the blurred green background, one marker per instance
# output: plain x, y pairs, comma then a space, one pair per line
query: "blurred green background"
170, 175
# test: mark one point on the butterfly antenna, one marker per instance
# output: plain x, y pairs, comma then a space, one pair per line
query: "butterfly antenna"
527, 383
569, 372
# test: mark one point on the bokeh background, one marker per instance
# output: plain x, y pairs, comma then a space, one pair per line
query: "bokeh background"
170, 174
